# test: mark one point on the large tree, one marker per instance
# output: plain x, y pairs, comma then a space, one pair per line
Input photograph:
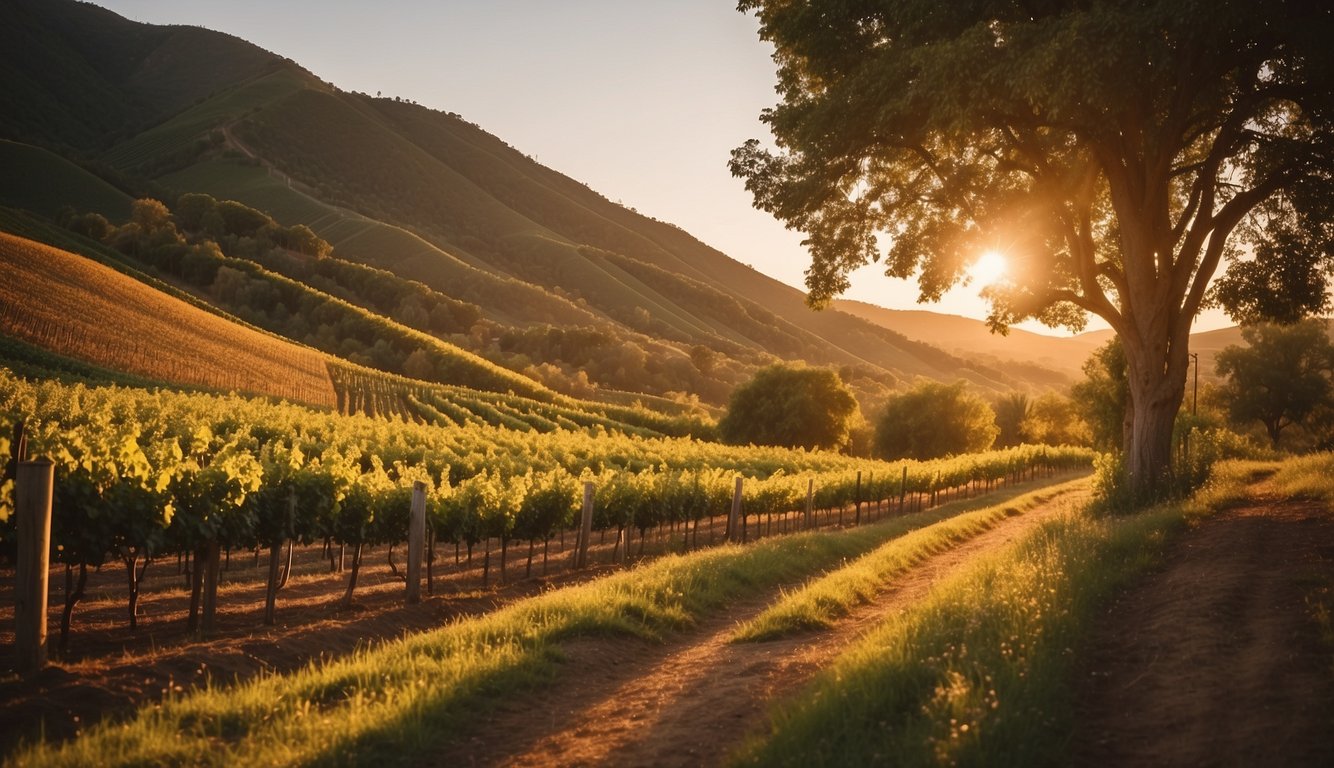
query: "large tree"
1281, 377
1119, 152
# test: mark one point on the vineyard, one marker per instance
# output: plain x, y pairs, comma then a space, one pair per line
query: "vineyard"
73, 306
150, 475
361, 390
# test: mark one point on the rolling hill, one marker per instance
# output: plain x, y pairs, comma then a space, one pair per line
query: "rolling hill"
76, 307
972, 339
163, 111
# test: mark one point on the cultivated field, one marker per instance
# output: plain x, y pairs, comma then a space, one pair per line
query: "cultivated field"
76, 307
977, 632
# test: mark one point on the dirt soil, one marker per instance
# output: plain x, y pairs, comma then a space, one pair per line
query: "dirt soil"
1216, 659
110, 669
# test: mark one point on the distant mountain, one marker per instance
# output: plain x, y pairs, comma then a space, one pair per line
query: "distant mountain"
572, 290
972, 339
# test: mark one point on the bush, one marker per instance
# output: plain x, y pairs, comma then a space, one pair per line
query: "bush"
932, 420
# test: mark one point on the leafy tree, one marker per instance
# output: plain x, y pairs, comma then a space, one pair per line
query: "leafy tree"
1103, 397
1118, 152
1281, 378
933, 420
1013, 413
1055, 420
191, 208
792, 407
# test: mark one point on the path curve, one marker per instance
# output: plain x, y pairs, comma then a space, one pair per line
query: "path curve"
692, 701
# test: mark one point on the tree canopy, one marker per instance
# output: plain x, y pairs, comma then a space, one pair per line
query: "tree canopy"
1013, 412
1281, 377
792, 407
1102, 398
1119, 153
933, 420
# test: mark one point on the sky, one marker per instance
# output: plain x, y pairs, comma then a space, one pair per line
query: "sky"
642, 100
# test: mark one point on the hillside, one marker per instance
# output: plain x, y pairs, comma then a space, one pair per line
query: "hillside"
430, 197
972, 339
79, 308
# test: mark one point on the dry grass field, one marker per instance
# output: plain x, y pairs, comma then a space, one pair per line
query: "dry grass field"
76, 307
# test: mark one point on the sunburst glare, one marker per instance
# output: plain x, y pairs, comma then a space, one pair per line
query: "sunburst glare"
990, 268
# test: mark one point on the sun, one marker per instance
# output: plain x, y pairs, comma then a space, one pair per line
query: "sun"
989, 269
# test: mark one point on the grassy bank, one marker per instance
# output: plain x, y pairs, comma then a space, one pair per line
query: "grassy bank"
979, 672
820, 602
390, 703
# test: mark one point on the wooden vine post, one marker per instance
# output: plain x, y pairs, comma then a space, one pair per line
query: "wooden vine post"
416, 541
857, 500
585, 527
810, 502
733, 529
33, 488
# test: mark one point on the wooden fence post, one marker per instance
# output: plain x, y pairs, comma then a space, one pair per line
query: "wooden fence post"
810, 503
416, 541
585, 528
733, 532
857, 500
33, 488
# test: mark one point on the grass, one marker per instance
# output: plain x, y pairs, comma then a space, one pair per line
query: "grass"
822, 601
979, 673
389, 703
1307, 477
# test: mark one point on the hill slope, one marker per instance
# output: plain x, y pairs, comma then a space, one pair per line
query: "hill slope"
434, 198
77, 307
971, 338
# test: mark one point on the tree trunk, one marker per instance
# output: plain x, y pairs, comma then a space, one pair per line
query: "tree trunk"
196, 591
73, 594
393, 567
1157, 384
212, 577
271, 591
352, 577
136, 577
287, 565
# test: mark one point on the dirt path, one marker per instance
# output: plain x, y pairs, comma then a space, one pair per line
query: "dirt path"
693, 700
1215, 659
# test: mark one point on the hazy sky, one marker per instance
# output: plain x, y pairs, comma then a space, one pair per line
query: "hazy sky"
642, 100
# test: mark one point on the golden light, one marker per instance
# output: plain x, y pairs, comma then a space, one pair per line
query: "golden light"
989, 268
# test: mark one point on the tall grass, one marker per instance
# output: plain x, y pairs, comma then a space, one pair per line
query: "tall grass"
980, 672
389, 703
1307, 476
820, 602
